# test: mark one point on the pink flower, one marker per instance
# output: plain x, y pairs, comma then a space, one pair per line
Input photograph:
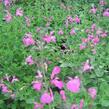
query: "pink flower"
53, 39
48, 24
72, 32
56, 70
62, 94
29, 60
96, 40
92, 92
93, 10
77, 19
99, 32
8, 17
38, 29
28, 40
102, 2
5, 89
1, 85
19, 12
6, 77
6, 2
51, 33
90, 37
60, 32
47, 98
73, 85
49, 38
87, 66
81, 104
14, 79
57, 83
93, 27
103, 34
28, 21
106, 13
82, 46
74, 106
39, 74
84, 40
37, 86
38, 106
87, 30
70, 19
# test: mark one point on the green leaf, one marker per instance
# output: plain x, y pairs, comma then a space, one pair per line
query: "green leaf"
105, 103
66, 64
30, 101
99, 72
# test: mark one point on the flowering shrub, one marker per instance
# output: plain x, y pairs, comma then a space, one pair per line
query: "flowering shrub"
54, 54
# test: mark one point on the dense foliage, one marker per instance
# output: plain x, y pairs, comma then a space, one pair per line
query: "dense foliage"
54, 54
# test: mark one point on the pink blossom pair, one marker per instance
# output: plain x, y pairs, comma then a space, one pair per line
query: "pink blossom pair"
49, 38
71, 20
94, 40
54, 79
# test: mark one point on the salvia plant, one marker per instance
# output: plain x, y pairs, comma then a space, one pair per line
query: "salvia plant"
54, 54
